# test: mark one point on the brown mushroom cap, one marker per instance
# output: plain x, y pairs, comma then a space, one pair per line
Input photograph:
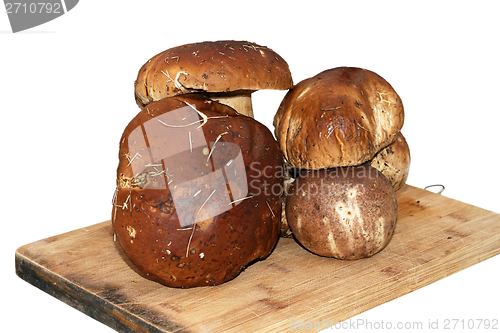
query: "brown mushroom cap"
394, 161
195, 201
340, 117
220, 69
345, 213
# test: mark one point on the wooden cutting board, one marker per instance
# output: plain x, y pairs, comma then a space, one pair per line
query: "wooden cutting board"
435, 237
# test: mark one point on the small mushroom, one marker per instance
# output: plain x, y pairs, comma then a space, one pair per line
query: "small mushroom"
224, 71
345, 212
394, 162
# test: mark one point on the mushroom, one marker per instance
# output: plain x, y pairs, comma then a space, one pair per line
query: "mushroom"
394, 161
224, 71
195, 201
345, 213
335, 121
340, 117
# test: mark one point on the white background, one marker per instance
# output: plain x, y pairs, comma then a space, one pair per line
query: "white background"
66, 91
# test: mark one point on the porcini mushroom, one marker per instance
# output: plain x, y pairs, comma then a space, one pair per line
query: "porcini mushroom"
345, 213
193, 204
394, 162
224, 71
340, 117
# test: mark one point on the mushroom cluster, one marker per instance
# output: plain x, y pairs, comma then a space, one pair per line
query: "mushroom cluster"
341, 132
195, 202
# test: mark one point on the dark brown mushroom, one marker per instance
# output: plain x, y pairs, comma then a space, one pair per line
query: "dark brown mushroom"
196, 201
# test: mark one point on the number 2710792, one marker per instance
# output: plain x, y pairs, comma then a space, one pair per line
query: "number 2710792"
33, 8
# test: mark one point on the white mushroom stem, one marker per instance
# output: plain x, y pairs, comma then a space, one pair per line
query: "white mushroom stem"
241, 103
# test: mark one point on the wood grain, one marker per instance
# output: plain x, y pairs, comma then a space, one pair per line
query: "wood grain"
435, 237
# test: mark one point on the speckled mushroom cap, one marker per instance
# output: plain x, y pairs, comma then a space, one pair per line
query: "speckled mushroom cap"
394, 161
196, 200
340, 117
345, 212
220, 67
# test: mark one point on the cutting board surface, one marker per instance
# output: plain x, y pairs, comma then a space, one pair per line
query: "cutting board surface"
435, 237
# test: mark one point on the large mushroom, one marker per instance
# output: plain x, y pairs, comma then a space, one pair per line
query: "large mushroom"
195, 201
224, 71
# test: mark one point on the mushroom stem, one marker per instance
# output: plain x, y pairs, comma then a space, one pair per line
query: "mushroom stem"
241, 103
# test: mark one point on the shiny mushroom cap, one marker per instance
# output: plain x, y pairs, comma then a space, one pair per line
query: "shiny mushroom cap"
340, 117
195, 202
